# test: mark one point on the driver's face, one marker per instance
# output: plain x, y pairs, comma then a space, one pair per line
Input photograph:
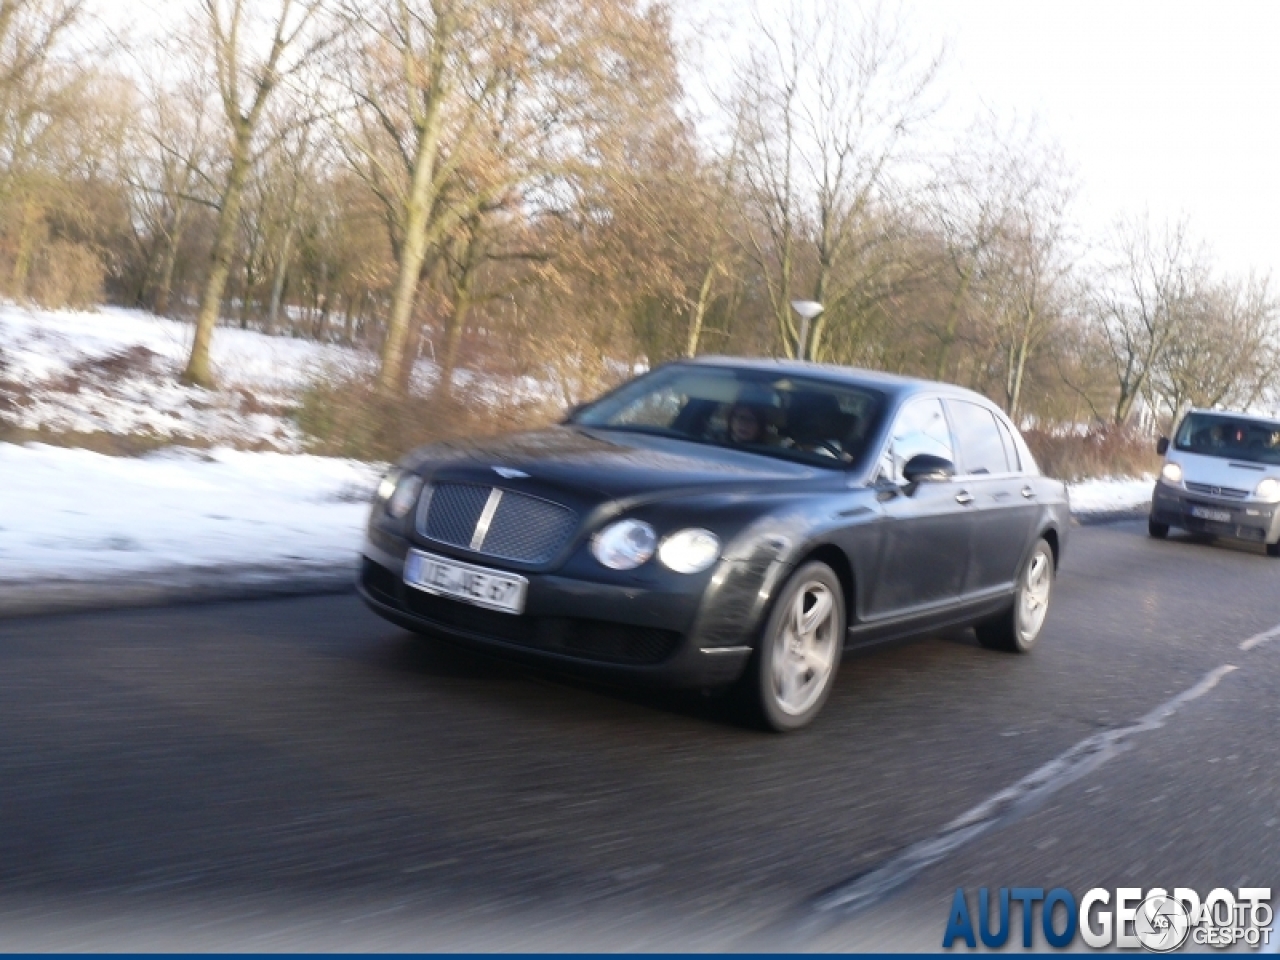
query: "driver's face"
744, 427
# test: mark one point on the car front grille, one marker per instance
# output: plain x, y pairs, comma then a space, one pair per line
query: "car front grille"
519, 527
1232, 493
585, 639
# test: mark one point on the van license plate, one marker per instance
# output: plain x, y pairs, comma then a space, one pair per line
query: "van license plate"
494, 589
1204, 513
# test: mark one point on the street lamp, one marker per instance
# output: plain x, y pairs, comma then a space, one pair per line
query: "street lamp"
808, 310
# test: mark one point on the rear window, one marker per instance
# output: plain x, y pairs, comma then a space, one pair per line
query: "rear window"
1230, 437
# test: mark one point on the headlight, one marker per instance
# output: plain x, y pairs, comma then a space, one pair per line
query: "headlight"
388, 485
690, 551
1269, 490
1171, 472
624, 545
405, 495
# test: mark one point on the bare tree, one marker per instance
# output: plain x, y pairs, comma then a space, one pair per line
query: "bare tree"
252, 56
828, 106
1142, 309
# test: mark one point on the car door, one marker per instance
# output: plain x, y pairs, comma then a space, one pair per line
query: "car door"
927, 530
991, 474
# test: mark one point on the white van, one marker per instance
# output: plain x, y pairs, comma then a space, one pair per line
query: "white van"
1221, 476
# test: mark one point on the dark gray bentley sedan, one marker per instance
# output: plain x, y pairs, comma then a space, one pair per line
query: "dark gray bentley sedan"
725, 523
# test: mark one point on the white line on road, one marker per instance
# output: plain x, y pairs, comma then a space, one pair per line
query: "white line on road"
1009, 804
1259, 638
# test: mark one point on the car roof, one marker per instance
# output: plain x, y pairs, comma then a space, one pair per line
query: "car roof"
1238, 414
889, 383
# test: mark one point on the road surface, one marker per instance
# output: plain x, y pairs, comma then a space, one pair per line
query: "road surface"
298, 774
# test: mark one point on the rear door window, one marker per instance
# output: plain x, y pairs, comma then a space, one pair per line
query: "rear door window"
982, 450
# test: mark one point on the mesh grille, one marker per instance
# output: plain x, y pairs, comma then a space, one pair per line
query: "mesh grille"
453, 511
527, 529
1232, 492
523, 528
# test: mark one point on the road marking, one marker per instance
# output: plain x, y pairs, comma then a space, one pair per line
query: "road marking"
1007, 805
1260, 638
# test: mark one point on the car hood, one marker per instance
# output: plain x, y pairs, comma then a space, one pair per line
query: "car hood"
610, 464
1221, 471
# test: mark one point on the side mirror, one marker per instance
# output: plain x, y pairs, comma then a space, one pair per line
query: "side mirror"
1162, 446
926, 468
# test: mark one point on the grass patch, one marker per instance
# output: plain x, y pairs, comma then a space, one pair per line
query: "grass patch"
346, 416
1109, 452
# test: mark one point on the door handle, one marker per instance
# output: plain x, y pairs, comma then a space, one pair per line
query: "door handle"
1028, 492
964, 497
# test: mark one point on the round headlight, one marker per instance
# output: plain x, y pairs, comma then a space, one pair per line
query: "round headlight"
405, 495
624, 545
689, 551
1171, 472
1269, 490
388, 485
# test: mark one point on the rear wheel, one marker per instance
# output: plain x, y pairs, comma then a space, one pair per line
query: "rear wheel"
795, 663
1157, 529
1016, 630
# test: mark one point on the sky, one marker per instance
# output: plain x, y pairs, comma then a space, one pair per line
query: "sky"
1170, 109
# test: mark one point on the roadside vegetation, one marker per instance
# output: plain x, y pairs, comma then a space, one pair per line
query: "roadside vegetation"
523, 192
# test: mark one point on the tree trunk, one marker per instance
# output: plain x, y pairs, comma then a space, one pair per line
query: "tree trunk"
277, 282
199, 372
699, 312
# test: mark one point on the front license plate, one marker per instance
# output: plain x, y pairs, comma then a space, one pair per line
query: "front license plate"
462, 581
1204, 513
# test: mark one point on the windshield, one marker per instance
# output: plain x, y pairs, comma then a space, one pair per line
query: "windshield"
1234, 438
758, 411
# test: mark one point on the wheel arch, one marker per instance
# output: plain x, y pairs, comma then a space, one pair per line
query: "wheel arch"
838, 561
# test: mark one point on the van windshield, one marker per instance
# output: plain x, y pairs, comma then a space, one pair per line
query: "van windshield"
1230, 437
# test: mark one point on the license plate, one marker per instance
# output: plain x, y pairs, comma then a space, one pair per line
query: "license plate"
462, 581
1204, 513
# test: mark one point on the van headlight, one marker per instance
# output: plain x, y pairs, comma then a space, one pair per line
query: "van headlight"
624, 545
1268, 490
1171, 473
689, 551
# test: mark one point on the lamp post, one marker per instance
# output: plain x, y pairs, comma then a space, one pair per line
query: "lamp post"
808, 310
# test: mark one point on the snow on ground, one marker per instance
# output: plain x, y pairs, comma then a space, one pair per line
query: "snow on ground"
1107, 496
116, 371
73, 514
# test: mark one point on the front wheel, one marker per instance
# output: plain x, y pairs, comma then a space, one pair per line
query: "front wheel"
1273, 549
795, 663
1157, 529
1016, 630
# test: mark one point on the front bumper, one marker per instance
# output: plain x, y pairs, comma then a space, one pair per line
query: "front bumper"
1248, 520
605, 631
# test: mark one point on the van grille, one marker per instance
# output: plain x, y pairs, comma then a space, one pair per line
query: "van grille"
1232, 493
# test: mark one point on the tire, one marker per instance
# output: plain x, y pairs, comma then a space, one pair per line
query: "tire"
793, 670
1016, 630
1273, 549
1156, 529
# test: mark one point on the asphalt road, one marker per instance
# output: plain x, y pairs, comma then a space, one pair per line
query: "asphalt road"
299, 774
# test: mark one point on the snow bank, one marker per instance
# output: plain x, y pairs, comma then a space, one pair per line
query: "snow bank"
1110, 496
73, 514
